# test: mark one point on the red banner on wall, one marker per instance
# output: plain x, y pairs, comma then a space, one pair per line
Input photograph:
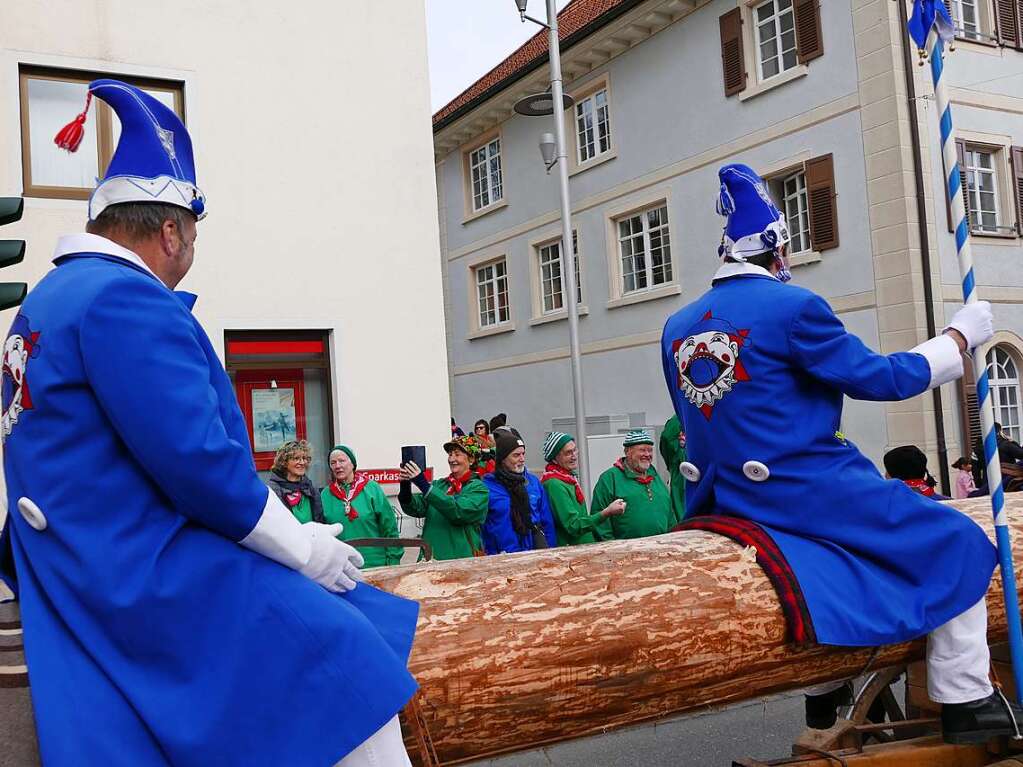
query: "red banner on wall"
390, 476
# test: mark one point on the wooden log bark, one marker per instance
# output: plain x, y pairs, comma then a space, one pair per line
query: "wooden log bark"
520, 650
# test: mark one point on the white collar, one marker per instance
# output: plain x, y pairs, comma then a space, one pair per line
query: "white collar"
93, 243
732, 269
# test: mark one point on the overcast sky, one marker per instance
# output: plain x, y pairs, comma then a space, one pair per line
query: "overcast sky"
467, 38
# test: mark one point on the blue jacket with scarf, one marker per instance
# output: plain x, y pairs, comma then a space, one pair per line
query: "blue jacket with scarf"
499, 537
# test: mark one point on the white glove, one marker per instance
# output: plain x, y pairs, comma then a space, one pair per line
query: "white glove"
975, 323
333, 564
312, 548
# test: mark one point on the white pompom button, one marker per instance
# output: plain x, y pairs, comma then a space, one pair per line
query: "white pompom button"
689, 471
756, 471
32, 513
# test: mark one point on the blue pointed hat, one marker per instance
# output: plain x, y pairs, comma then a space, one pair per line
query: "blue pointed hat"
153, 161
754, 225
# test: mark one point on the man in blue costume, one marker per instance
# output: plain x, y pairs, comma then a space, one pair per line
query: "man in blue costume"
757, 370
175, 612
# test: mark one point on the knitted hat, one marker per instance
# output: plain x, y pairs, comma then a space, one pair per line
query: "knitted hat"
554, 444
906, 462
507, 443
638, 437
347, 451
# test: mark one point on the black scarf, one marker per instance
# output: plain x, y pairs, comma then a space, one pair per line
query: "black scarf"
282, 486
521, 511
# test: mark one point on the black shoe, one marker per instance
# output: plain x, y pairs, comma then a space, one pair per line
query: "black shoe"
979, 721
822, 710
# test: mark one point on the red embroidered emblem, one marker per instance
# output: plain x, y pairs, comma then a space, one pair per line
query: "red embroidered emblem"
708, 362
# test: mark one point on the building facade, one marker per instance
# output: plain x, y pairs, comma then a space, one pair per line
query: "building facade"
319, 253
815, 95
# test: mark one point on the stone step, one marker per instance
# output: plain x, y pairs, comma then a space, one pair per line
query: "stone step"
17, 723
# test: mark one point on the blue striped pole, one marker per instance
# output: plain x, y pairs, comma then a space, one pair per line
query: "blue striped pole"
953, 187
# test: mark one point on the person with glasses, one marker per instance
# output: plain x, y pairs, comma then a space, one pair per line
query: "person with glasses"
573, 523
289, 482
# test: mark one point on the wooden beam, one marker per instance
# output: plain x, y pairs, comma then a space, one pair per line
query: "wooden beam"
679, 6
635, 32
657, 19
520, 650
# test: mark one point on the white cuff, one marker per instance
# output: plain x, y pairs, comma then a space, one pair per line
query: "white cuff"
279, 536
943, 355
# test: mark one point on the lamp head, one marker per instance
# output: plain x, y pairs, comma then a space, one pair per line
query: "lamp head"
547, 148
521, 4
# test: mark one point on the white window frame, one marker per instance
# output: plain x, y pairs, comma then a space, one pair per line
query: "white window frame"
998, 361
494, 277
471, 165
600, 115
983, 25
643, 236
973, 170
550, 247
582, 95
477, 271
775, 18
799, 202
775, 174
488, 153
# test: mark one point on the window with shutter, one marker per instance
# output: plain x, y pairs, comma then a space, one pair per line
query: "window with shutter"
809, 41
969, 412
733, 64
1008, 15
1016, 154
822, 201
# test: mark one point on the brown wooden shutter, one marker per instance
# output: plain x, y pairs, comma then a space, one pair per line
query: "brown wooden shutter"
1007, 21
969, 410
961, 152
1016, 153
733, 63
822, 203
809, 41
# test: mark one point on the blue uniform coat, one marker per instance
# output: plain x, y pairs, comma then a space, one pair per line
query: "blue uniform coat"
499, 537
151, 636
757, 371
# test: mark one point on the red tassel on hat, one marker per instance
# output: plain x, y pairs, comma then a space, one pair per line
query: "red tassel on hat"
70, 136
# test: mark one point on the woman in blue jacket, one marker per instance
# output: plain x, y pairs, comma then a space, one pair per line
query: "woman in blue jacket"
519, 518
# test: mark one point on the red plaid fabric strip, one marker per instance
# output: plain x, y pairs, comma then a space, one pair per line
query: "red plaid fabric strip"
772, 561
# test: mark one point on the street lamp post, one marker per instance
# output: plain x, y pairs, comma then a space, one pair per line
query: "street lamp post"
568, 264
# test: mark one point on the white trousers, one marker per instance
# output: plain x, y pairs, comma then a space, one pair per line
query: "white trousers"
958, 660
384, 748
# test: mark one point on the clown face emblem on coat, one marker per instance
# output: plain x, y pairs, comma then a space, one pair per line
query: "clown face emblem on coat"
708, 362
21, 346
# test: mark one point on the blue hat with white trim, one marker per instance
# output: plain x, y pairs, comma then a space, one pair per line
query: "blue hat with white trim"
754, 225
153, 161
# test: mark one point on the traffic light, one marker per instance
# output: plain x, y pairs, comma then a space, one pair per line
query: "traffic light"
11, 252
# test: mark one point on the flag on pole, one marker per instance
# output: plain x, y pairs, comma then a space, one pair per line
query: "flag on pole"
928, 14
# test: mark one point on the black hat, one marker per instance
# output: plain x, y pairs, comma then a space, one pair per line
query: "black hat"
507, 441
906, 462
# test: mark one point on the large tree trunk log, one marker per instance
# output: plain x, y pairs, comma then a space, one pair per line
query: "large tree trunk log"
520, 650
